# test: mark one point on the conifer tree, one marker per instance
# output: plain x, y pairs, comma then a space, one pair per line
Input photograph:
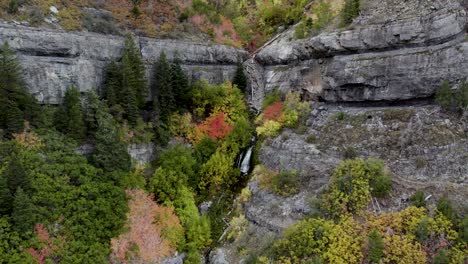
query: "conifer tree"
240, 79
6, 199
376, 246
112, 84
23, 212
92, 106
15, 102
69, 118
133, 71
110, 153
164, 102
180, 85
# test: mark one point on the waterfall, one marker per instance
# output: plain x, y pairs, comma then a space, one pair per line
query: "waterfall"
245, 165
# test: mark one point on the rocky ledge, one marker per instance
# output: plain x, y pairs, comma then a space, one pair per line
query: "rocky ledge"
376, 60
55, 60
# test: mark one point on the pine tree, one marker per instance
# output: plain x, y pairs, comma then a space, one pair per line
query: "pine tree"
23, 212
69, 118
240, 79
350, 11
180, 86
15, 102
128, 97
6, 199
112, 84
134, 71
110, 153
164, 102
375, 246
92, 106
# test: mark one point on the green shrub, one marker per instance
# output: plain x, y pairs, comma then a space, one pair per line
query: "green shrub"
13, 6
376, 246
307, 238
301, 129
381, 185
350, 153
350, 11
271, 98
418, 199
349, 189
445, 207
285, 183
464, 229
444, 96
422, 230
442, 257
341, 116
311, 139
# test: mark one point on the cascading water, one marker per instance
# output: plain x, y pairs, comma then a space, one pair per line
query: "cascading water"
245, 164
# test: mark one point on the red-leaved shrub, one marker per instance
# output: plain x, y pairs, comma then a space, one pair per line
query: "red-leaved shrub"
273, 112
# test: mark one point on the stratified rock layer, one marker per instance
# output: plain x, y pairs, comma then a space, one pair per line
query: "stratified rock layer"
55, 60
403, 57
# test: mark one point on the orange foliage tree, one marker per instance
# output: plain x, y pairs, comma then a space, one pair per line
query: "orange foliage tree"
154, 231
48, 244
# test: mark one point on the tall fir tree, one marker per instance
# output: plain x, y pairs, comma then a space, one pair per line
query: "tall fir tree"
23, 213
134, 71
6, 199
239, 78
69, 118
180, 86
92, 105
110, 153
16, 103
164, 101
112, 84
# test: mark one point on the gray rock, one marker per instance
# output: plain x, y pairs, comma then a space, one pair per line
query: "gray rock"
218, 256
54, 60
178, 259
404, 55
142, 153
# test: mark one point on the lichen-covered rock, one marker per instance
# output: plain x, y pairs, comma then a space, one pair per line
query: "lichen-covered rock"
55, 60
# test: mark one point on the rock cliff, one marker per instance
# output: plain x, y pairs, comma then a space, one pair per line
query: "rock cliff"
402, 52
54, 60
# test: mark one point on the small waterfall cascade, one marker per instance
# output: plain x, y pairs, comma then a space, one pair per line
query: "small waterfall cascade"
245, 165
245, 158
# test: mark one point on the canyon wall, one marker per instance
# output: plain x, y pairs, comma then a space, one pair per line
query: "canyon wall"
388, 58
55, 60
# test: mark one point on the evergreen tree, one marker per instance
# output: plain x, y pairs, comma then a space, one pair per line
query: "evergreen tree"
134, 72
180, 86
376, 246
164, 102
128, 95
69, 118
240, 79
112, 84
23, 212
92, 106
6, 199
13, 118
110, 153
15, 102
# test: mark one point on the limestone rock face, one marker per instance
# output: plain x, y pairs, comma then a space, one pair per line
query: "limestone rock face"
54, 60
405, 54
